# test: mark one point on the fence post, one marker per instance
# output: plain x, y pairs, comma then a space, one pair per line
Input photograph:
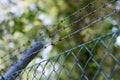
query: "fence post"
20, 64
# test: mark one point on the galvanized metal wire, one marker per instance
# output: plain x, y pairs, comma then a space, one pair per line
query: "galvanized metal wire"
105, 64
97, 59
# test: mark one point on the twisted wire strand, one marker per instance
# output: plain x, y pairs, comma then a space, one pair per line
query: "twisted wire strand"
65, 27
55, 25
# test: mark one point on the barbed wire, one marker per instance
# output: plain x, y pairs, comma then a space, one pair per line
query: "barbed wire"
65, 27
78, 20
55, 25
79, 30
70, 51
71, 34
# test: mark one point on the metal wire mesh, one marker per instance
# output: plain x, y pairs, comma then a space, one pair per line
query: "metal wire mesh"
105, 62
97, 59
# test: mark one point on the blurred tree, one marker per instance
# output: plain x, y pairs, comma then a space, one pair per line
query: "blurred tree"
22, 20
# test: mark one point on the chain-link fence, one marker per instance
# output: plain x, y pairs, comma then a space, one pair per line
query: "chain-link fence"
102, 62
97, 59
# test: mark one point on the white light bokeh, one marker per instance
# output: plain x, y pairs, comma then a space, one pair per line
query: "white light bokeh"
114, 29
33, 7
114, 22
4, 2
117, 43
45, 53
45, 20
11, 45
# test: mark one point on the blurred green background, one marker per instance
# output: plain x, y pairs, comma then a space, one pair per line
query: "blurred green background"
22, 20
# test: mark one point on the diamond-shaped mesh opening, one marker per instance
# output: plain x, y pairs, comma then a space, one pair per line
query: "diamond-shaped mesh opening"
69, 68
115, 72
93, 60
107, 65
98, 76
88, 71
82, 56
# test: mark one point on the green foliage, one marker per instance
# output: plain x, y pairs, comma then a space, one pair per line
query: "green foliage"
23, 28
